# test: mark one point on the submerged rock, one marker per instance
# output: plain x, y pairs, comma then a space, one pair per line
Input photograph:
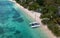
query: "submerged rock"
12, 29
1, 30
6, 29
3, 21
3, 36
18, 20
6, 36
9, 36
9, 29
3, 18
17, 32
16, 15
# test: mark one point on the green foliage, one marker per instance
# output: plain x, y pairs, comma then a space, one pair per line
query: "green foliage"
45, 21
54, 28
28, 1
52, 8
18, 1
50, 11
40, 2
44, 10
57, 2
34, 6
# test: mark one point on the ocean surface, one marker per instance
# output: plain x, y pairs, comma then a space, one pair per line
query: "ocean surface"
14, 23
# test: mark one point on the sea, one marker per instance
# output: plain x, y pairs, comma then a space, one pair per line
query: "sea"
14, 22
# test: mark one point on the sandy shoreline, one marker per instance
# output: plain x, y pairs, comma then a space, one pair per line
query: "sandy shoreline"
50, 34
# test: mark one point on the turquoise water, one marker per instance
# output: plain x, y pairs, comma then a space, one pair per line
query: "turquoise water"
14, 23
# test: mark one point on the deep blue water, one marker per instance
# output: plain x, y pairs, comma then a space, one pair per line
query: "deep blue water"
14, 23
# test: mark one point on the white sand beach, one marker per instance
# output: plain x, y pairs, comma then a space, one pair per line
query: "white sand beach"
32, 14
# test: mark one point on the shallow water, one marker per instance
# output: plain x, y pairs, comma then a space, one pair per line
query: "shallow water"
14, 23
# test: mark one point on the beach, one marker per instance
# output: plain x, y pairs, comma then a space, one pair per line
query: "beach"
36, 15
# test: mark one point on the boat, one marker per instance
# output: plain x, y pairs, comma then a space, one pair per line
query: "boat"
35, 24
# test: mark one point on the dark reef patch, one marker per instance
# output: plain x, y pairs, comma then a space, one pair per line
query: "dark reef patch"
9, 29
10, 36
17, 32
4, 16
19, 20
6, 36
16, 15
3, 20
6, 29
2, 30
